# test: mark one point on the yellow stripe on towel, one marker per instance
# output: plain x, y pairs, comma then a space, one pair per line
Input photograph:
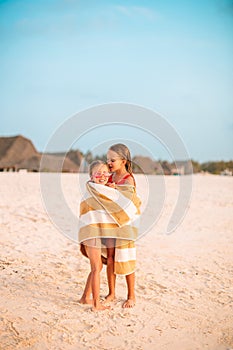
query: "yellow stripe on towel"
94, 231
119, 203
124, 268
112, 213
125, 257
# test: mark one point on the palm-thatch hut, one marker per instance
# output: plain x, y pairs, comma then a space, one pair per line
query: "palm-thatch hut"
14, 150
18, 152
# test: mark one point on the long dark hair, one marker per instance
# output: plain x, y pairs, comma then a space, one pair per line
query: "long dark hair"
124, 153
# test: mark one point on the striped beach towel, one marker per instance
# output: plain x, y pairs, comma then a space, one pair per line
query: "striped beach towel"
106, 212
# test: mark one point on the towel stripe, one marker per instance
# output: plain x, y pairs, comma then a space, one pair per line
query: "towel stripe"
94, 217
122, 255
124, 268
120, 207
109, 213
108, 232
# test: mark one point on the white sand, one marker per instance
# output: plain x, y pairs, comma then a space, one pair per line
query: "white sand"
184, 284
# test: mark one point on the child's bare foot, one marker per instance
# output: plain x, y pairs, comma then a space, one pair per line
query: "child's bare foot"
86, 301
129, 303
110, 297
100, 307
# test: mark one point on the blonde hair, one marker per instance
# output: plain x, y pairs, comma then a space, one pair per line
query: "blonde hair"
94, 164
124, 153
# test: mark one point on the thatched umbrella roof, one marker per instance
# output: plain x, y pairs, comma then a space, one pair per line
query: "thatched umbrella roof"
32, 164
76, 156
146, 165
51, 162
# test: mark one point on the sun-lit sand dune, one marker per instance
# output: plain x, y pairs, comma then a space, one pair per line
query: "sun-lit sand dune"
184, 285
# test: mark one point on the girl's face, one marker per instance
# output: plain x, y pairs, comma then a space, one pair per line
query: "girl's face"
100, 174
115, 162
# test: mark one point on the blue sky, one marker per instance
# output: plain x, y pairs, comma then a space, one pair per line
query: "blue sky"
59, 57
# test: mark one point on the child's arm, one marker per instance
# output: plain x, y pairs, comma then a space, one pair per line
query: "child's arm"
111, 184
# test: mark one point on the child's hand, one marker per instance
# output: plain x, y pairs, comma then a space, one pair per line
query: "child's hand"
111, 184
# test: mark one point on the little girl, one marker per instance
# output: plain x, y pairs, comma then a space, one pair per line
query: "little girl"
120, 164
91, 248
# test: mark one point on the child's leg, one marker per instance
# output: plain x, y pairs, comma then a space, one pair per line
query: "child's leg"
86, 297
110, 242
130, 302
94, 255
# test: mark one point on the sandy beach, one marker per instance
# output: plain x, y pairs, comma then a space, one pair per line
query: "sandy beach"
184, 281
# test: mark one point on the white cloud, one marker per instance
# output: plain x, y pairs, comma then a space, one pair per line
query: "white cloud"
132, 11
123, 9
144, 12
